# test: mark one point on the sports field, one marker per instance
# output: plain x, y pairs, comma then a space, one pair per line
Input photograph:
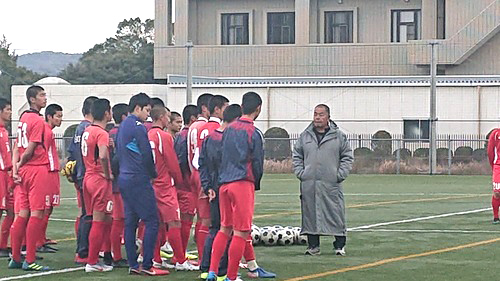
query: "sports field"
401, 228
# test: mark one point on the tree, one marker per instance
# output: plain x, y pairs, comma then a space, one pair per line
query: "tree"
125, 58
11, 74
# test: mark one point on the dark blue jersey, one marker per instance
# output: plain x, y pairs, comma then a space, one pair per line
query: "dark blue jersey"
210, 160
133, 149
242, 153
75, 152
180, 146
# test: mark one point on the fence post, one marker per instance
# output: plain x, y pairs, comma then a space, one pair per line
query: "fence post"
360, 144
398, 157
449, 155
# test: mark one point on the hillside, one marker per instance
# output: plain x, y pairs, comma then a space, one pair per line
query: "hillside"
50, 63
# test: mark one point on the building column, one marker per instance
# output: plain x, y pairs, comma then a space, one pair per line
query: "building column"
163, 23
429, 19
181, 22
302, 24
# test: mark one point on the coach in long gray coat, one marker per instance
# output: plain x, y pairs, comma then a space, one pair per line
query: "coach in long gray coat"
322, 160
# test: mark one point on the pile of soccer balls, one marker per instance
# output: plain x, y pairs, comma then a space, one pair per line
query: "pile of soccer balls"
277, 235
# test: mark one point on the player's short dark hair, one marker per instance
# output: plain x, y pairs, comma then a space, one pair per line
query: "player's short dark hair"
119, 110
326, 107
99, 109
232, 113
216, 101
87, 105
32, 91
189, 111
51, 110
203, 100
157, 101
4, 103
250, 102
157, 112
174, 114
141, 100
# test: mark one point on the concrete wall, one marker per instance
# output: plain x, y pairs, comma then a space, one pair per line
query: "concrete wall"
461, 12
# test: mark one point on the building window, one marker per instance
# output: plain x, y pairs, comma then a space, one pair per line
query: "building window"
281, 28
416, 129
234, 29
405, 25
338, 27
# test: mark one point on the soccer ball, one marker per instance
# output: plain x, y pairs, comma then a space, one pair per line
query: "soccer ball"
302, 240
278, 227
256, 235
269, 237
285, 237
296, 231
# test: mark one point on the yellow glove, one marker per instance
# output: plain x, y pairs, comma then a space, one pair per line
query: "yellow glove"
68, 170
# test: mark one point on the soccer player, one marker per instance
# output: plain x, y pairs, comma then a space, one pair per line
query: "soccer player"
137, 169
32, 173
187, 202
194, 141
169, 173
83, 221
5, 177
493, 153
120, 112
148, 123
53, 118
239, 175
175, 124
97, 183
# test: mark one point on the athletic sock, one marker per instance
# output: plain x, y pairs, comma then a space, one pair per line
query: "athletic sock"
33, 233
200, 240
252, 265
95, 241
185, 232
249, 254
495, 203
234, 256
218, 248
43, 234
116, 240
175, 240
17, 232
106, 243
159, 243
4, 236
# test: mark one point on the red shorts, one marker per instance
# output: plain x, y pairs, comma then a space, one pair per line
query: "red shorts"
17, 194
236, 205
97, 194
4, 189
203, 208
496, 178
118, 209
34, 194
55, 188
168, 205
187, 202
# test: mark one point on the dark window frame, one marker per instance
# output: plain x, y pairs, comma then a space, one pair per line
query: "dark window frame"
228, 27
330, 25
271, 39
417, 24
423, 126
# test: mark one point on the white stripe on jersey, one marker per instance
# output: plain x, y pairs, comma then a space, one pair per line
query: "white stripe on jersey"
2, 165
51, 159
160, 148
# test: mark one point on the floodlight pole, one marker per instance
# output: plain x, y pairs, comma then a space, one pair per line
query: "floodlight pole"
189, 74
433, 118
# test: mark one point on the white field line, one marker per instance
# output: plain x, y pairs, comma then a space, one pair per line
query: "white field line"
64, 220
70, 198
417, 219
42, 273
381, 194
428, 231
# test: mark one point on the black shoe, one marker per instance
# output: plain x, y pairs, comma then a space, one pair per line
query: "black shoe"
108, 258
4, 253
123, 263
496, 221
45, 249
51, 247
38, 258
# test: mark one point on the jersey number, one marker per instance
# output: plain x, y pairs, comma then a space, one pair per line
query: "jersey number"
85, 147
22, 138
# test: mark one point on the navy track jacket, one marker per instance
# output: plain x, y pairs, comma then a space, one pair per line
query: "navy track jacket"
75, 152
133, 149
242, 153
210, 160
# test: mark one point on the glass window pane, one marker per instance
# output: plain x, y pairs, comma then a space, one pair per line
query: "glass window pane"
407, 16
411, 129
403, 33
338, 27
281, 28
234, 29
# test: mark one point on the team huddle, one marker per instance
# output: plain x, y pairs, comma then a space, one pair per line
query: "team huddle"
142, 182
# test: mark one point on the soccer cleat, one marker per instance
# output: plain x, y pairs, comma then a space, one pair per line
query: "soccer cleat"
163, 264
243, 265
99, 267
222, 278
155, 271
46, 249
211, 276
313, 251
4, 253
191, 256
340, 252
186, 266
496, 221
80, 261
50, 242
203, 276
134, 271
15, 265
167, 248
123, 263
166, 255
260, 273
34, 267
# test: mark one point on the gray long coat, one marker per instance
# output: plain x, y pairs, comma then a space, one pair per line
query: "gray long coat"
321, 169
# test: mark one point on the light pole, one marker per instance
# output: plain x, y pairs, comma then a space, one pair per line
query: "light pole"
433, 118
189, 74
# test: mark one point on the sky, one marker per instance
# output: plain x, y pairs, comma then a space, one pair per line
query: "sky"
69, 26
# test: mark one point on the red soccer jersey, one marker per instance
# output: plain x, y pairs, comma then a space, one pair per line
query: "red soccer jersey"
494, 147
212, 125
31, 129
165, 158
5, 155
194, 142
93, 137
50, 145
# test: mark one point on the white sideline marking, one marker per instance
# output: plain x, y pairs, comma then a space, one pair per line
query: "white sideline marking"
427, 230
42, 273
64, 220
417, 219
381, 194
71, 198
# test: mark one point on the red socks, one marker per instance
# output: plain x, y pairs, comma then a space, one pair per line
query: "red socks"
106, 243
17, 232
159, 242
174, 238
116, 239
234, 256
249, 253
43, 236
495, 203
218, 248
4, 236
200, 240
33, 233
185, 232
95, 241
